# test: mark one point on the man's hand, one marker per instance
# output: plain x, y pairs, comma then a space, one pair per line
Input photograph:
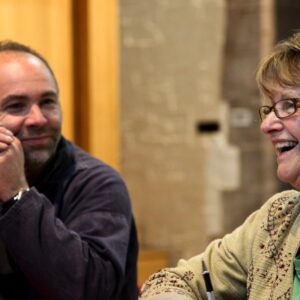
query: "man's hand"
12, 174
6, 138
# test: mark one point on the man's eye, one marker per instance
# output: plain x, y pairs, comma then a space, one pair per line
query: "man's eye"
15, 107
48, 102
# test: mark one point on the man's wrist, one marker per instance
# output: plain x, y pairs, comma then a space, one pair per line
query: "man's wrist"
19, 195
9, 203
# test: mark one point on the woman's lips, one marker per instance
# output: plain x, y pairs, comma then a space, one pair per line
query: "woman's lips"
284, 155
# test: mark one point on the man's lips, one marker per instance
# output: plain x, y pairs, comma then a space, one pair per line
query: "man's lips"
36, 140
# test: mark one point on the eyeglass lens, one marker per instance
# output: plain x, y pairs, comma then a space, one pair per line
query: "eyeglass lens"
282, 109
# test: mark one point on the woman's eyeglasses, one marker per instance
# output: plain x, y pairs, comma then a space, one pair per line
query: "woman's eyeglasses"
282, 109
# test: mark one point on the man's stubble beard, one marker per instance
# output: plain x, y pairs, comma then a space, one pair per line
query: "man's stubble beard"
37, 159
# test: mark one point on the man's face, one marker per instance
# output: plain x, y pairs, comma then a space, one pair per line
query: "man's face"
285, 136
29, 106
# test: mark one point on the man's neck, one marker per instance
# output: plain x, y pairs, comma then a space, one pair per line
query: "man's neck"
33, 174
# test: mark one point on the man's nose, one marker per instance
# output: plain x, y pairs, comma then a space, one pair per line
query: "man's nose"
271, 123
35, 116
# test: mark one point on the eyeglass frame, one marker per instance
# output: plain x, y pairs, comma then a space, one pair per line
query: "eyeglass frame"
294, 101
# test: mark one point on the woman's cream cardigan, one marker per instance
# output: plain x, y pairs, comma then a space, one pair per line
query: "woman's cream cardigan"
253, 262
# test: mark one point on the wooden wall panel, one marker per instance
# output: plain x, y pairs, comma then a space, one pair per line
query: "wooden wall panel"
103, 80
81, 73
49, 26
46, 26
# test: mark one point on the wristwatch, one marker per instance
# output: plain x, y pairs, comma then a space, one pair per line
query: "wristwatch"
8, 204
19, 195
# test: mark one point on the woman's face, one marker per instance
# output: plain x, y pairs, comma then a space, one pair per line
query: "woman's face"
284, 134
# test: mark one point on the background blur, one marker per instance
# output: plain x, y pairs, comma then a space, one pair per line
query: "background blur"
164, 90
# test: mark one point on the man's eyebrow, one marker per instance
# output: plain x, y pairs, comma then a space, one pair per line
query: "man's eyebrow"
15, 97
49, 94
22, 97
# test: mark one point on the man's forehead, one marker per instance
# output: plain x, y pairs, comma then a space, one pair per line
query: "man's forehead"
16, 62
20, 62
21, 70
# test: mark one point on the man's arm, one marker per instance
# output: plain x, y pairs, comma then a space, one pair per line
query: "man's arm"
83, 254
62, 263
84, 260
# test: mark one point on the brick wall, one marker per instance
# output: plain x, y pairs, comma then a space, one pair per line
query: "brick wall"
191, 151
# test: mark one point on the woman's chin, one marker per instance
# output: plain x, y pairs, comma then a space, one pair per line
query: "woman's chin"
284, 175
289, 177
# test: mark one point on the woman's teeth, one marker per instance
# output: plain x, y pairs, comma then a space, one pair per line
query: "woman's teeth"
285, 146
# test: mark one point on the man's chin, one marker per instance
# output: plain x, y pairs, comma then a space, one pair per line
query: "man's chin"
37, 158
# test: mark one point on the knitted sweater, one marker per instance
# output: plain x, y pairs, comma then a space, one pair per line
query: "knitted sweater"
254, 262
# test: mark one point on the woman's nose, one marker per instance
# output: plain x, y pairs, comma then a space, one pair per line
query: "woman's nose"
271, 123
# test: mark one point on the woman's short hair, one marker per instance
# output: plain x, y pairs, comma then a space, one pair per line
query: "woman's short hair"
281, 66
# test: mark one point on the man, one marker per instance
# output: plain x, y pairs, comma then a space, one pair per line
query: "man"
66, 227
260, 260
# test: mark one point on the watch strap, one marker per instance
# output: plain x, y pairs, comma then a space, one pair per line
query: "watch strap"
8, 204
19, 195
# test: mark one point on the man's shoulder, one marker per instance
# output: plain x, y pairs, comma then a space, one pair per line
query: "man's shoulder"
92, 176
84, 161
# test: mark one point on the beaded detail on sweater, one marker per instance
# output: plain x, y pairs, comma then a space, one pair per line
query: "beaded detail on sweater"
168, 282
276, 225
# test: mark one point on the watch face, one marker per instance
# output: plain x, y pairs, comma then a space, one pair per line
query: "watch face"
20, 194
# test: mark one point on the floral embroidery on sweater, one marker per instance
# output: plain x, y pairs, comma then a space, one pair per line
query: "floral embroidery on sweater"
161, 281
277, 223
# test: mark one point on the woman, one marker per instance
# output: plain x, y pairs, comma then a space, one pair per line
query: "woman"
259, 260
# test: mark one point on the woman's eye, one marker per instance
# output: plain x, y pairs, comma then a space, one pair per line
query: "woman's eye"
287, 106
267, 110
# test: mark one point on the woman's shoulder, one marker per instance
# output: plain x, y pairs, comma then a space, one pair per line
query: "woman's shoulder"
283, 201
281, 210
